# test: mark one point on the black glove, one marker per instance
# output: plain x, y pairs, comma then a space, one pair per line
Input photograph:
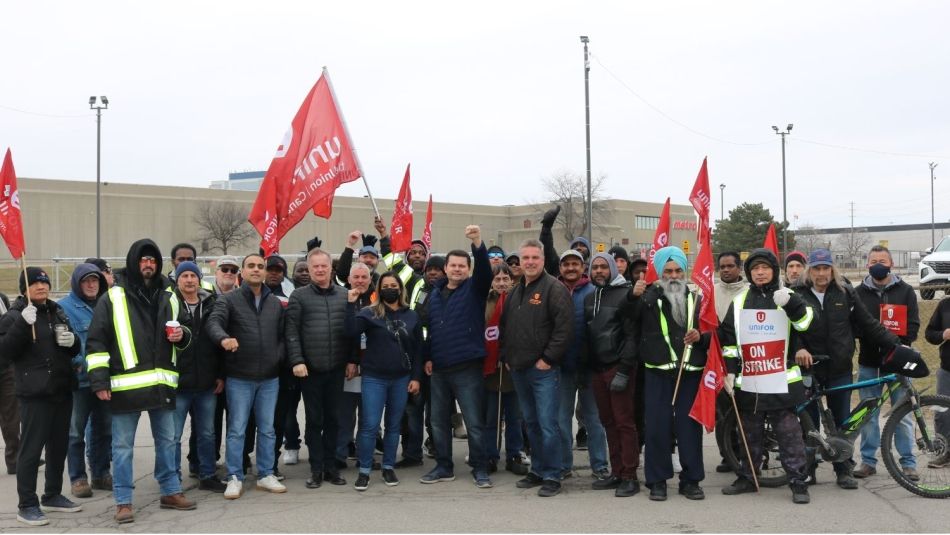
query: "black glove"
369, 239
619, 382
314, 243
547, 220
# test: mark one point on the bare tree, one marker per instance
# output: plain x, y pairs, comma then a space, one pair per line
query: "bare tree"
854, 244
222, 225
808, 239
569, 190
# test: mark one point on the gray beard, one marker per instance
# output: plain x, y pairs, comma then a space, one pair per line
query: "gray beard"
675, 293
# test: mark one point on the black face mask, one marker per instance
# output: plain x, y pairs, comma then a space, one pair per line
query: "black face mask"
879, 271
389, 295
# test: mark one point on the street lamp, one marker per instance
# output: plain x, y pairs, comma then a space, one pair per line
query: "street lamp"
590, 201
103, 106
933, 226
722, 202
788, 130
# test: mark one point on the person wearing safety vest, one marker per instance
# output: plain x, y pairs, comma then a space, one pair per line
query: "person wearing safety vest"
131, 357
411, 269
764, 294
666, 319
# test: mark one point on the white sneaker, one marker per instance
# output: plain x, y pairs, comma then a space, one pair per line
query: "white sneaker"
291, 457
235, 488
677, 467
271, 484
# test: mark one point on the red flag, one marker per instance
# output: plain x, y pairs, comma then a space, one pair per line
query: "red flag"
491, 338
315, 157
771, 241
11, 222
704, 406
427, 232
401, 230
661, 238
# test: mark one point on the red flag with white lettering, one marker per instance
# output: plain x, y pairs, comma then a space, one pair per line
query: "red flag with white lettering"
661, 238
11, 222
401, 230
427, 232
771, 240
315, 157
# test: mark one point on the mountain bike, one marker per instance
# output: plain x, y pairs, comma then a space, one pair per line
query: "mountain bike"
835, 442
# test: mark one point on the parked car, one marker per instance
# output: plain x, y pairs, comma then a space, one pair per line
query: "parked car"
934, 269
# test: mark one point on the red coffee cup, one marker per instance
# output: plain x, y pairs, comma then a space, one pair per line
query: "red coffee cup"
170, 327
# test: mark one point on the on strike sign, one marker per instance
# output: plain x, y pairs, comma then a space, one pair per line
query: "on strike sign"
763, 335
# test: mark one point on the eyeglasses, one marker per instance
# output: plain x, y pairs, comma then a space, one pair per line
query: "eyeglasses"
229, 269
252, 265
496, 255
514, 262
181, 259
147, 260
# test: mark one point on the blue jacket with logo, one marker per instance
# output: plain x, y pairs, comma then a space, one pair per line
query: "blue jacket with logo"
79, 311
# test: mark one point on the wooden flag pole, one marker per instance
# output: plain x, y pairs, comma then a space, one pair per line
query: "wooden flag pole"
679, 375
27, 285
501, 370
745, 443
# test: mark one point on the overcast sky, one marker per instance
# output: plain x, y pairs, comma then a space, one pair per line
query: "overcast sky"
485, 99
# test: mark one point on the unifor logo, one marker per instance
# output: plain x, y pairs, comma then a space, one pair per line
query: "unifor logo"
710, 379
760, 316
491, 333
890, 313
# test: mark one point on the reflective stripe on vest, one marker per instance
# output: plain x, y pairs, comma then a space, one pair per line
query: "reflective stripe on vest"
123, 327
414, 294
175, 306
665, 327
132, 381
97, 360
792, 375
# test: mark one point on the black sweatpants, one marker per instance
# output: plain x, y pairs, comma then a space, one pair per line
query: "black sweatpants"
45, 424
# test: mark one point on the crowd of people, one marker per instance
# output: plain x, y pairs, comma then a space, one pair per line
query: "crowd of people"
494, 347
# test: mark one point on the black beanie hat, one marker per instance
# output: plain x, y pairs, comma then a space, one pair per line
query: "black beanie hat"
619, 252
436, 262
33, 274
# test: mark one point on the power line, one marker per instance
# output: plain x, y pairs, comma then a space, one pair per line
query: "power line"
872, 151
27, 112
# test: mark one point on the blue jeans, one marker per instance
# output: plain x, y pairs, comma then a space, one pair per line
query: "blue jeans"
540, 397
243, 396
466, 385
123, 444
202, 402
871, 432
596, 435
92, 413
840, 405
378, 394
511, 413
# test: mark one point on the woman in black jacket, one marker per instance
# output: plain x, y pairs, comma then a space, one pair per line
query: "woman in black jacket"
390, 367
35, 335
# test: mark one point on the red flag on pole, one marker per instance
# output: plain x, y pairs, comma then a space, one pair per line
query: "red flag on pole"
661, 238
11, 222
427, 233
704, 406
771, 240
401, 230
315, 157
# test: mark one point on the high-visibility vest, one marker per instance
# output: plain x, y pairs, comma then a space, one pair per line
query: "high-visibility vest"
665, 327
125, 338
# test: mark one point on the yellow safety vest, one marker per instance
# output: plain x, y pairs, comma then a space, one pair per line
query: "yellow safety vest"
665, 327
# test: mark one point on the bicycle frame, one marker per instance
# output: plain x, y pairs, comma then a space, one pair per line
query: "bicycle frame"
860, 416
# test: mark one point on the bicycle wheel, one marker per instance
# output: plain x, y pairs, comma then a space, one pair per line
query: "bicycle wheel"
771, 473
932, 468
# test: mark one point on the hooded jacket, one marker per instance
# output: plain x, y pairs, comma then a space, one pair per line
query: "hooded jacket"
150, 379
610, 333
198, 364
80, 311
42, 368
897, 292
800, 317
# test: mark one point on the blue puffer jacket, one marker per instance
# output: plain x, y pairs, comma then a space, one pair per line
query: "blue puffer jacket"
578, 293
79, 311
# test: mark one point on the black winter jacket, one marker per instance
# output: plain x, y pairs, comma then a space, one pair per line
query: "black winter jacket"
839, 319
610, 331
314, 328
940, 322
651, 345
537, 323
896, 293
259, 332
198, 364
42, 368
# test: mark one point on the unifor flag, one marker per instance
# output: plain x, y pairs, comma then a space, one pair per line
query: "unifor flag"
704, 406
11, 222
661, 238
427, 232
315, 157
771, 240
400, 239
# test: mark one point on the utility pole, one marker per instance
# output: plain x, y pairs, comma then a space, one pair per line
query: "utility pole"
590, 202
784, 133
851, 243
722, 202
104, 105
933, 225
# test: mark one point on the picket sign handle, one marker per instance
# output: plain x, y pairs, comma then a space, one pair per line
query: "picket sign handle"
679, 375
748, 453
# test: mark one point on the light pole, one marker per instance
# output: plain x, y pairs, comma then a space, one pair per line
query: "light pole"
788, 129
722, 202
590, 202
104, 105
933, 226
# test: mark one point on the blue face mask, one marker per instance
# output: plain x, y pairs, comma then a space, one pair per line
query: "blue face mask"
879, 271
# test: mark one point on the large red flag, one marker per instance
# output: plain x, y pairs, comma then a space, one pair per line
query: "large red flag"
771, 241
11, 222
315, 157
661, 238
427, 232
704, 406
401, 230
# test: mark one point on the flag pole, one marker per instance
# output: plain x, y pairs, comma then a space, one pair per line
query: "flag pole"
326, 74
27, 281
679, 375
501, 370
744, 442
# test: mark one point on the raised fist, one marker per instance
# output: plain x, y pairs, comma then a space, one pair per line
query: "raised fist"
550, 216
473, 232
354, 238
